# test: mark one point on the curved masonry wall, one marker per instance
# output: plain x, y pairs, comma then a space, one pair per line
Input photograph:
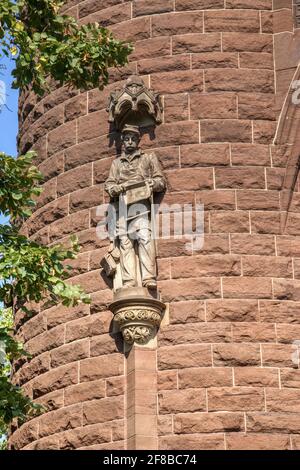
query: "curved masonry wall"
225, 373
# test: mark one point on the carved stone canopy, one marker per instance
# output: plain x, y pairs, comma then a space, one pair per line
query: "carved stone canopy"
134, 104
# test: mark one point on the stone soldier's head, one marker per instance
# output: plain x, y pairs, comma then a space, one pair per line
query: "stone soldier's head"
130, 138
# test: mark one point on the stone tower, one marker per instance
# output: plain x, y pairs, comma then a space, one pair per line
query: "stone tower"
224, 371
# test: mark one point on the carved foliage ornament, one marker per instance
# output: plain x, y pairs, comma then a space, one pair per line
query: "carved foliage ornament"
138, 323
135, 104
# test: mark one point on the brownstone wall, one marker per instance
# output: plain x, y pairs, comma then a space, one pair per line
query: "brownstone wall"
224, 365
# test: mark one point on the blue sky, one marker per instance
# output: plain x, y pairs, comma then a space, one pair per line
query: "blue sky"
8, 117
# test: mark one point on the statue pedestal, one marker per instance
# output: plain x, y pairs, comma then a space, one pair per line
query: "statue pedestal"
137, 314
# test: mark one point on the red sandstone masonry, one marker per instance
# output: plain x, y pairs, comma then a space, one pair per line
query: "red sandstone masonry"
226, 370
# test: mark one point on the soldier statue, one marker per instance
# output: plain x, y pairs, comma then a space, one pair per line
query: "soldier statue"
134, 177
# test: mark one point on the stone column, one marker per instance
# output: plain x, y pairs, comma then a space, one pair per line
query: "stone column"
141, 398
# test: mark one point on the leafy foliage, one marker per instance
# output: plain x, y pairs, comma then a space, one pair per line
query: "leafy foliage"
45, 42
18, 178
13, 403
29, 272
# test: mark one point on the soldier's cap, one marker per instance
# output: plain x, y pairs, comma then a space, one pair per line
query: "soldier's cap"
130, 128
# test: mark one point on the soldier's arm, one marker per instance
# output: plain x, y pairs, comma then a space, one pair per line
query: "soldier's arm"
111, 185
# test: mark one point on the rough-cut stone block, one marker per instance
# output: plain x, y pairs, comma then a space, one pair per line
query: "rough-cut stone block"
150, 48
192, 442
47, 340
85, 436
90, 6
250, 154
256, 60
177, 23
178, 82
208, 265
236, 354
208, 423
76, 107
232, 310
55, 380
217, 200
84, 392
182, 5
214, 60
181, 401
247, 287
283, 400
144, 7
267, 266
59, 314
109, 16
134, 30
253, 332
69, 225
60, 420
164, 64
265, 222
229, 130
229, 221
206, 42
25, 434
78, 178
253, 441
167, 380
70, 353
232, 21
273, 422
279, 355
192, 179
256, 377
205, 377
52, 166
91, 325
178, 357
187, 312
195, 333
93, 125
252, 244
52, 401
236, 399
213, 106
247, 42
61, 138
101, 411
103, 344
239, 80
204, 155
176, 107
100, 367
258, 200
190, 289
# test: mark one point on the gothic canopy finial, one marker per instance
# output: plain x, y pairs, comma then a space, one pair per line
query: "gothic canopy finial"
135, 104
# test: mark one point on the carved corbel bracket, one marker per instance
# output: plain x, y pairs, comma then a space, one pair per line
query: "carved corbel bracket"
135, 104
138, 317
